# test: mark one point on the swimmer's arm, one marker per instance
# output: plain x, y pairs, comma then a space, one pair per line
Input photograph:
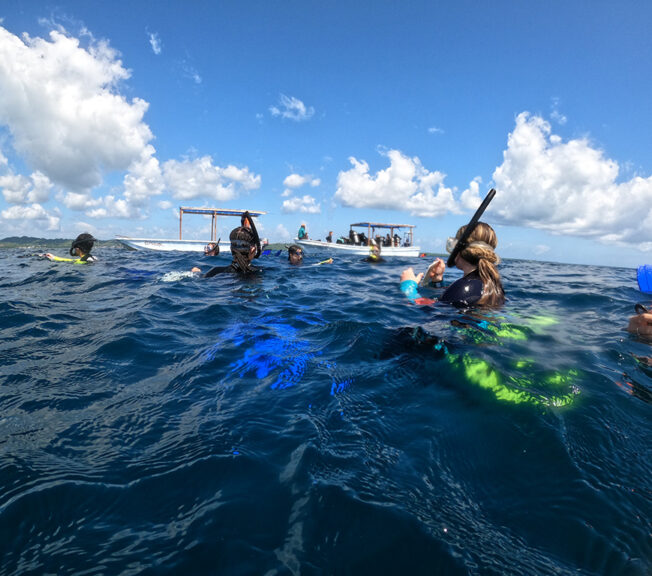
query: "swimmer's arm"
409, 287
54, 258
641, 324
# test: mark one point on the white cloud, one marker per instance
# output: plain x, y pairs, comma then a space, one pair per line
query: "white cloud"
569, 188
155, 43
19, 189
282, 233
189, 179
292, 108
61, 105
304, 204
540, 249
287, 192
165, 204
405, 185
435, 130
298, 180
34, 212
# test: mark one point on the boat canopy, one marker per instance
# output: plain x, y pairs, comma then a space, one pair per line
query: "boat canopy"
214, 213
377, 225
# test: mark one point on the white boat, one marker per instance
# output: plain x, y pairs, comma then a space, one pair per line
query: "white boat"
180, 245
391, 245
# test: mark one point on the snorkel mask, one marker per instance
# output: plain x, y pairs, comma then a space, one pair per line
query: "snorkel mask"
296, 252
212, 248
455, 245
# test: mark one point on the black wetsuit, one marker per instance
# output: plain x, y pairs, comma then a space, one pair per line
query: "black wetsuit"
465, 291
232, 268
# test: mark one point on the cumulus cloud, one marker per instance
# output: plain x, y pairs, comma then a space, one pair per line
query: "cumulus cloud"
304, 204
282, 233
405, 185
189, 179
63, 110
569, 188
155, 43
292, 108
297, 181
34, 212
19, 189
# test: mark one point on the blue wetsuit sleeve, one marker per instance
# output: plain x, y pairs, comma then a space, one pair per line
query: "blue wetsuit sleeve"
409, 288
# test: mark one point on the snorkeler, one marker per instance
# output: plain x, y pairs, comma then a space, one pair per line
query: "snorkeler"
374, 254
80, 247
472, 251
245, 246
212, 248
295, 255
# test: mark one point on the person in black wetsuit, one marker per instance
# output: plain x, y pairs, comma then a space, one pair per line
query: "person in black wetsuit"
481, 284
374, 254
245, 246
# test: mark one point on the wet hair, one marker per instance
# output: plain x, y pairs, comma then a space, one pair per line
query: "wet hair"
479, 251
242, 240
294, 249
84, 242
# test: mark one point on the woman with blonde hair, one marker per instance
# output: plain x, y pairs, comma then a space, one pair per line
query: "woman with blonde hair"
475, 255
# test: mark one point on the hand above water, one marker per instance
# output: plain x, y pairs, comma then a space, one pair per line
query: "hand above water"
435, 271
641, 324
408, 274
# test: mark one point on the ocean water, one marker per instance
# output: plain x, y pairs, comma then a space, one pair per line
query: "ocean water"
313, 421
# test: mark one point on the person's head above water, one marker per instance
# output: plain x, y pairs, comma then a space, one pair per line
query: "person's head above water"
82, 245
478, 251
212, 249
374, 252
295, 254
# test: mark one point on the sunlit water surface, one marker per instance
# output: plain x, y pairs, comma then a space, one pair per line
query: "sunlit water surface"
298, 424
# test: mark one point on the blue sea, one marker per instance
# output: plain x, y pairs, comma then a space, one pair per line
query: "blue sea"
314, 421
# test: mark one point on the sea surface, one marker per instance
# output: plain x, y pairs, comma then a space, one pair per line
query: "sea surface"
314, 421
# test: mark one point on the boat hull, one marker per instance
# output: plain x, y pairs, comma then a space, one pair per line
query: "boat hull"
166, 245
386, 251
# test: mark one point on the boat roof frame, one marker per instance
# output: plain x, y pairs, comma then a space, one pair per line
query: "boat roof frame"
214, 213
381, 225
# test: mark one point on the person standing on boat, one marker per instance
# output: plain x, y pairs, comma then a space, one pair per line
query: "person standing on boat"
302, 234
81, 248
329, 238
245, 246
475, 255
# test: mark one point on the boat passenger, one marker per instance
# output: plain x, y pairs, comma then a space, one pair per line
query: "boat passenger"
302, 234
476, 257
295, 255
212, 249
81, 248
329, 238
245, 246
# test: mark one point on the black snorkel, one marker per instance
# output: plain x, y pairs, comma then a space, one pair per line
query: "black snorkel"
462, 242
246, 216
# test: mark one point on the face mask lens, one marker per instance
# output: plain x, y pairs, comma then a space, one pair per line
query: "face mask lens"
450, 245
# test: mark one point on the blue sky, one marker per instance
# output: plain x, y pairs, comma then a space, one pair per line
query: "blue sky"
114, 114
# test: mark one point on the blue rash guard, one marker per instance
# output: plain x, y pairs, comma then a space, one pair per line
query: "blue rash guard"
463, 293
